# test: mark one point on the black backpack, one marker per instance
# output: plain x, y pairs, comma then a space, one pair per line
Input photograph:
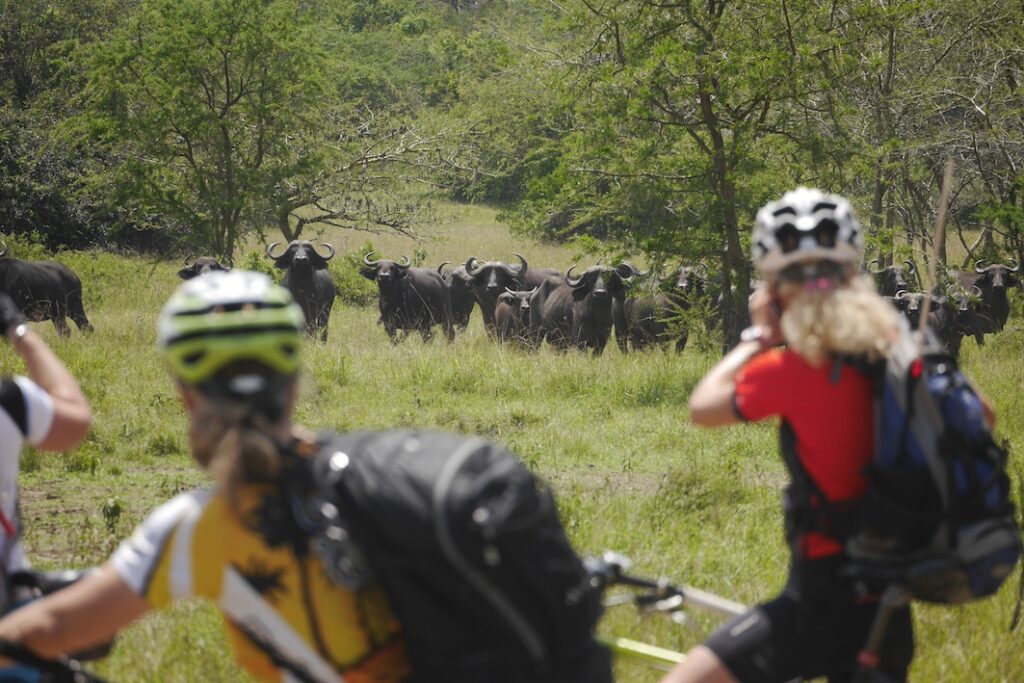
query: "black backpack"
469, 548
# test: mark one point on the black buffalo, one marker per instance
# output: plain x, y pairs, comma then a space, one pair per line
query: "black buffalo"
512, 316
660, 318
409, 298
897, 278
201, 266
943, 316
993, 307
44, 290
463, 298
577, 311
490, 278
309, 281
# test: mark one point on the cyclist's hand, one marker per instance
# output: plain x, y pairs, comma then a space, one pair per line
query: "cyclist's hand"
764, 313
10, 315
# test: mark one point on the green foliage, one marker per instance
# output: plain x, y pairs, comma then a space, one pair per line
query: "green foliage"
214, 105
351, 287
257, 261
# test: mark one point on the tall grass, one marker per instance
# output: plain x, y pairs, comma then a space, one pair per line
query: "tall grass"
610, 433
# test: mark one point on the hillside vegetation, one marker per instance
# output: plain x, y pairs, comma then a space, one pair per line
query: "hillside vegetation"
609, 433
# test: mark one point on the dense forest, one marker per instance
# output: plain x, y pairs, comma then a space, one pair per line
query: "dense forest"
633, 127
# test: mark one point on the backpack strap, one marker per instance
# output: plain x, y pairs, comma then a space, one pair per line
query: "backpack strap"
807, 507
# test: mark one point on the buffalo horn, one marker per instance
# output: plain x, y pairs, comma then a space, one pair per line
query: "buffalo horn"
1016, 266
471, 266
367, 262
330, 255
3, 252
187, 259
911, 265
405, 265
901, 295
270, 251
977, 290
510, 291
522, 267
572, 282
979, 267
626, 272
443, 264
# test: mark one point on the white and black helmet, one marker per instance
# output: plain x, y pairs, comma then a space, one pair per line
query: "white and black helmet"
805, 225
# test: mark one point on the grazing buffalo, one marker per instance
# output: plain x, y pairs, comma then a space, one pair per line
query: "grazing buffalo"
463, 298
943, 317
490, 278
201, 266
991, 281
512, 316
309, 281
897, 278
44, 290
409, 298
577, 311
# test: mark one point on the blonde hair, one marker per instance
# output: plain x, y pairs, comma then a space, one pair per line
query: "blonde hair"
850, 320
234, 443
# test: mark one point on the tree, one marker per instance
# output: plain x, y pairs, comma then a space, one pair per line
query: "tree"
685, 118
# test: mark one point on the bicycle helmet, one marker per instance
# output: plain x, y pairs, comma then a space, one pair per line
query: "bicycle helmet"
805, 225
222, 322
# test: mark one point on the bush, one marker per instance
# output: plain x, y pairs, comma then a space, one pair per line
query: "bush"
352, 287
257, 262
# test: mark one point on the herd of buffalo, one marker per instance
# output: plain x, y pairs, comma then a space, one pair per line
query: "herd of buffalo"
526, 306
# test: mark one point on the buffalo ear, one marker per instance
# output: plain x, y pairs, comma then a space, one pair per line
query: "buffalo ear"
368, 273
318, 261
283, 261
187, 273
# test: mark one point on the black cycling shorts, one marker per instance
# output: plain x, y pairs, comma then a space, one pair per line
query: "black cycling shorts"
815, 628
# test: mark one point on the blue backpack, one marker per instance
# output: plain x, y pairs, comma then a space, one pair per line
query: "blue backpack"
937, 516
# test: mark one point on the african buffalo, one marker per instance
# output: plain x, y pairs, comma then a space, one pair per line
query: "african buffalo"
897, 278
44, 290
512, 316
660, 317
577, 311
201, 266
942, 317
463, 298
490, 278
309, 281
994, 306
409, 298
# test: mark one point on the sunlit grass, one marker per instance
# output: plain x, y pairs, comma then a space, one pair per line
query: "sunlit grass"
610, 433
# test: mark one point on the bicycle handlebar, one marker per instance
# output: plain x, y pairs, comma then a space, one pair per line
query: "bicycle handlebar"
661, 596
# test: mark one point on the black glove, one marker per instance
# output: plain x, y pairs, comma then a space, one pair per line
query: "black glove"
10, 315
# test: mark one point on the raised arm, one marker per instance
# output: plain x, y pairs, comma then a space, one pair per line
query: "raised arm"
71, 413
711, 403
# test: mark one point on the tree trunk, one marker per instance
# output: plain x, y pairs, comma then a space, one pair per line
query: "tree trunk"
284, 225
735, 264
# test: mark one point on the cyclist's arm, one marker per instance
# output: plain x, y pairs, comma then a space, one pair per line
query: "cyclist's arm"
87, 613
712, 403
71, 413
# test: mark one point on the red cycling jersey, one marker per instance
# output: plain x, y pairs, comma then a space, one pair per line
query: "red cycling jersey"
832, 420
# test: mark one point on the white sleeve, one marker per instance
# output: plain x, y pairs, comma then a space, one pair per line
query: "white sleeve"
38, 410
137, 557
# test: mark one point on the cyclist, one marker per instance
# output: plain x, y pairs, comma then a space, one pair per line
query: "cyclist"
46, 409
807, 247
232, 341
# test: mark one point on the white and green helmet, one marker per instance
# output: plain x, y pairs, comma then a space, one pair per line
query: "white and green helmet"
223, 318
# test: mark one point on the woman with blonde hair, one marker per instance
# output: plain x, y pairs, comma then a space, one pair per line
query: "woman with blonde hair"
232, 343
807, 247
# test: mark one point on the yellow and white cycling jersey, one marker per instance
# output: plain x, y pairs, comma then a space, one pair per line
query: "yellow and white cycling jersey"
286, 619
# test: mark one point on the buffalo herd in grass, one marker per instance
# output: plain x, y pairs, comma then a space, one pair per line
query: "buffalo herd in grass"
526, 306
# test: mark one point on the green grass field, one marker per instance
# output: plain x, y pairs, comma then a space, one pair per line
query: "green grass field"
610, 434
